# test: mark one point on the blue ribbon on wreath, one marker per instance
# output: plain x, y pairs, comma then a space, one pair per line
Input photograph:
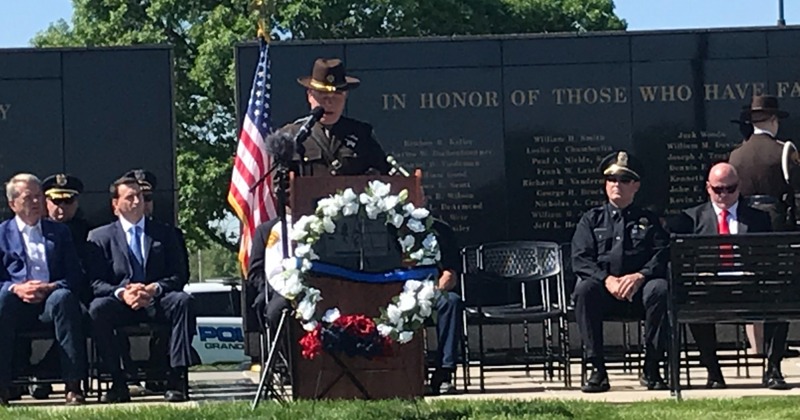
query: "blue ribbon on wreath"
396, 275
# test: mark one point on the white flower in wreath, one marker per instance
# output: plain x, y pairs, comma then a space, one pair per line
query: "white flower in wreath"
310, 325
405, 337
305, 251
373, 210
287, 284
416, 213
417, 255
416, 226
430, 242
308, 305
427, 261
328, 225
395, 315
407, 301
331, 315
390, 202
396, 219
406, 243
385, 330
412, 285
301, 228
330, 206
379, 188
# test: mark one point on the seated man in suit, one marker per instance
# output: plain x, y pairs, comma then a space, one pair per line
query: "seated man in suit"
725, 214
619, 253
40, 277
135, 273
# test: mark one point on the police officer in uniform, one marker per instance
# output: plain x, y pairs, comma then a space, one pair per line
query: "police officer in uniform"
619, 254
62, 192
758, 162
338, 145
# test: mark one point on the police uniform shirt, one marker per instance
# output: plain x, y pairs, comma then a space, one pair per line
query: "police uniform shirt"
611, 241
348, 147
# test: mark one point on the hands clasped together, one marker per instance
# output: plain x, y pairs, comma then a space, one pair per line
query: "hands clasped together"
139, 295
624, 287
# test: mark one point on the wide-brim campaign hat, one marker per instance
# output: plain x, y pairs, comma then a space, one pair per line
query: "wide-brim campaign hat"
61, 186
765, 104
329, 75
621, 164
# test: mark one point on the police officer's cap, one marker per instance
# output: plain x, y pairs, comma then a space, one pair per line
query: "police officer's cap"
61, 186
146, 179
621, 164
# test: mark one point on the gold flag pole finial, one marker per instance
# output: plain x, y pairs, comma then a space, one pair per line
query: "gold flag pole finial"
265, 10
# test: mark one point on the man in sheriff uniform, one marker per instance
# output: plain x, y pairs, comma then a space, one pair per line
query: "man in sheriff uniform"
62, 192
338, 145
619, 254
758, 162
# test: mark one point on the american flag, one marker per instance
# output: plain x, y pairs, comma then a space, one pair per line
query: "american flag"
252, 161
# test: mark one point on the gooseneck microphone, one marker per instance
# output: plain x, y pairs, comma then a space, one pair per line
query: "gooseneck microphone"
305, 129
396, 168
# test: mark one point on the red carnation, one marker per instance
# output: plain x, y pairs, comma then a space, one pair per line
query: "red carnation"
311, 344
363, 326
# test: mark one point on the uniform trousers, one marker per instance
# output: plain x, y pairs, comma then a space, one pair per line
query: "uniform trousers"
593, 303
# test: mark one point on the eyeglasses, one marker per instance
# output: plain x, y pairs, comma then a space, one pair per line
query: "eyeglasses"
147, 198
719, 189
619, 180
63, 201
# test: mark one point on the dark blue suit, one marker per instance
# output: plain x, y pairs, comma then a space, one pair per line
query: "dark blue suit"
62, 306
110, 268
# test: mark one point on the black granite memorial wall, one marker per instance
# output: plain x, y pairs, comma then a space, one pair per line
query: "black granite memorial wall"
93, 113
509, 130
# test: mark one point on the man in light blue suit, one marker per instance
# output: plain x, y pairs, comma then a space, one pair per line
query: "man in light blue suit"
39, 276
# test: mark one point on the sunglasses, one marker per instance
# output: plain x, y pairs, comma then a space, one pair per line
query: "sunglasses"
719, 189
61, 201
619, 180
148, 198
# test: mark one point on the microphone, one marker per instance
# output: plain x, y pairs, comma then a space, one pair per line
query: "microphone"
305, 129
280, 145
396, 168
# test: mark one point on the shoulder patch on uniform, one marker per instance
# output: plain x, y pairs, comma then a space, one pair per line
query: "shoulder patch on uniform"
273, 239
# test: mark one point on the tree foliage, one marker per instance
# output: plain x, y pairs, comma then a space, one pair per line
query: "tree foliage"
203, 33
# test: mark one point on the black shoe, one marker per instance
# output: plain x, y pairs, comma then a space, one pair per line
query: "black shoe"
791, 353
442, 379
598, 382
155, 386
773, 379
715, 384
4, 397
653, 382
40, 391
116, 395
175, 396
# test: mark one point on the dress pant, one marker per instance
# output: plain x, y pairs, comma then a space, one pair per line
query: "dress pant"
171, 308
593, 303
62, 308
705, 335
449, 327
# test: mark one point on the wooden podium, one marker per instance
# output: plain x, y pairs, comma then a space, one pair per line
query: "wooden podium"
339, 376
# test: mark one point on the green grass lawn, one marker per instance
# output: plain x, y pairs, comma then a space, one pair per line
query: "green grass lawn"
742, 408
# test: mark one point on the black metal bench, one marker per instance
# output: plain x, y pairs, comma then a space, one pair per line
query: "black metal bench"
731, 278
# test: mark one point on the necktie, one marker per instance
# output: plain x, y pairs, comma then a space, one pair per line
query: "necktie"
724, 229
722, 225
136, 245
137, 262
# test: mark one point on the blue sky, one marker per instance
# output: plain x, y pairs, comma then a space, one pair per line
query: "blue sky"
20, 20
